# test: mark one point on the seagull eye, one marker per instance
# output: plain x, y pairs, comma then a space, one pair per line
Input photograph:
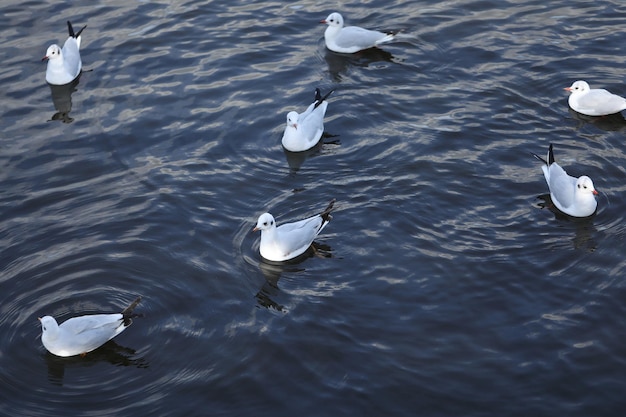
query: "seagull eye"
578, 185
271, 223
264, 223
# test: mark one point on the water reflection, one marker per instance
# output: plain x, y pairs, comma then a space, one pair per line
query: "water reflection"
109, 352
585, 229
62, 100
272, 271
610, 123
296, 159
340, 63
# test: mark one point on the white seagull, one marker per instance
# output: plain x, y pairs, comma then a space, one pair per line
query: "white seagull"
64, 65
351, 39
79, 335
573, 196
290, 239
304, 130
594, 102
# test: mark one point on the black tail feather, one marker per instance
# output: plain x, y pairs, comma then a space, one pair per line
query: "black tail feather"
326, 213
539, 158
70, 29
128, 314
550, 156
318, 97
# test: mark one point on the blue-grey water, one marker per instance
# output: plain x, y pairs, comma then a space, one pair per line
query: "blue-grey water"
440, 288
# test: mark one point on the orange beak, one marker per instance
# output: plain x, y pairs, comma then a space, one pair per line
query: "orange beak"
595, 192
568, 89
323, 21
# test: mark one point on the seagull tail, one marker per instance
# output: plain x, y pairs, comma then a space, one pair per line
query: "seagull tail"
550, 156
318, 96
539, 158
128, 314
390, 36
70, 29
326, 213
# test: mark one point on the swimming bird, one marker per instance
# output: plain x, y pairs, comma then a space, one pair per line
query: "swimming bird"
304, 130
64, 65
573, 196
594, 102
290, 239
351, 39
82, 334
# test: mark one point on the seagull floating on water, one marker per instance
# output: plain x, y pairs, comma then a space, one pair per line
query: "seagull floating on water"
573, 196
304, 130
64, 65
351, 39
594, 102
290, 239
82, 334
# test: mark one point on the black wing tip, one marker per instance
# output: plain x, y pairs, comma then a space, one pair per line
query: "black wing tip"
70, 29
539, 158
550, 155
326, 213
319, 99
128, 311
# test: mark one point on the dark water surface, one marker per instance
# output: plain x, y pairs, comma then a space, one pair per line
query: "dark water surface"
441, 286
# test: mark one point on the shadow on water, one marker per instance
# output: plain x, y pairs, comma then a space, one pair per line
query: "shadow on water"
610, 123
62, 100
585, 229
296, 159
272, 272
339, 64
109, 352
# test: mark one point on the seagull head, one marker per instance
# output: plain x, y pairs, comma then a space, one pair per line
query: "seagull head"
578, 87
333, 19
585, 185
53, 52
292, 119
265, 222
48, 323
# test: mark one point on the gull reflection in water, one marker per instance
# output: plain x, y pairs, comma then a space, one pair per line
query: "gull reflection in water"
609, 123
62, 100
340, 63
296, 159
272, 271
109, 352
585, 230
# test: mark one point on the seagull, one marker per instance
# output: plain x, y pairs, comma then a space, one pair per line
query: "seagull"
573, 196
82, 334
351, 39
594, 102
290, 239
64, 65
304, 130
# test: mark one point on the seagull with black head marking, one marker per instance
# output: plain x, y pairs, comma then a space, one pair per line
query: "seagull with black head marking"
573, 196
64, 65
351, 39
304, 130
594, 101
290, 240
82, 334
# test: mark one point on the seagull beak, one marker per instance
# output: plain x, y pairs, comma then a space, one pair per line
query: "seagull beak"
568, 89
256, 229
323, 21
295, 125
595, 192
44, 58
39, 318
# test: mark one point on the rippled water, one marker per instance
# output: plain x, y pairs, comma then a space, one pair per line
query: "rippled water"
441, 287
